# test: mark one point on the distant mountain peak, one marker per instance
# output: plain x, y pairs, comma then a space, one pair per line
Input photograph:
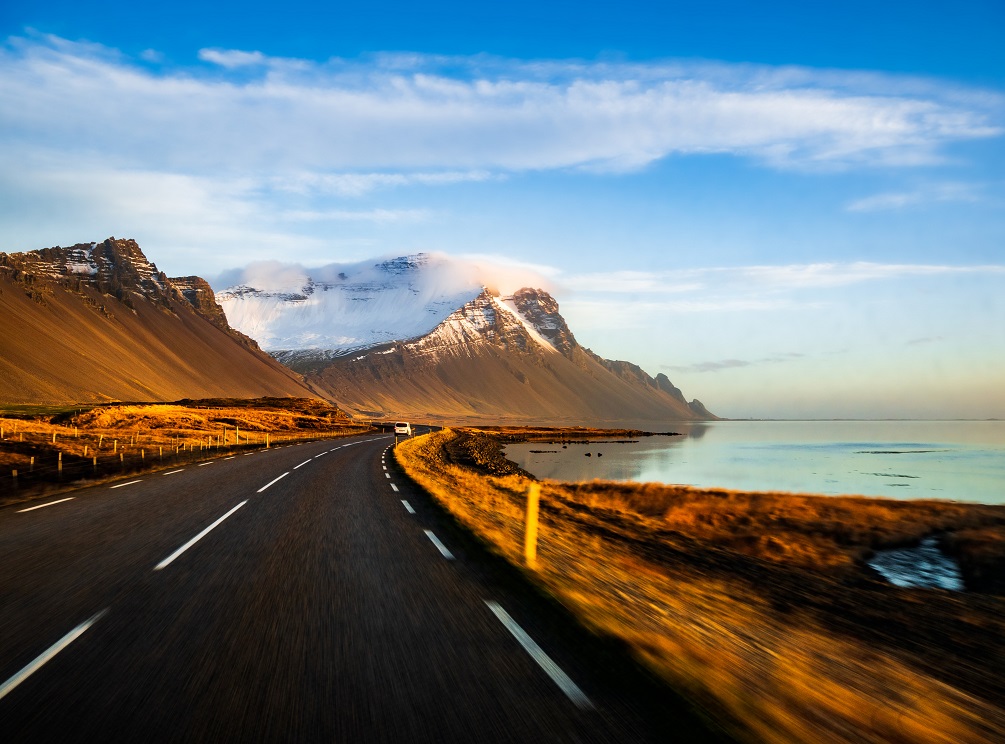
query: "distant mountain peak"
405, 264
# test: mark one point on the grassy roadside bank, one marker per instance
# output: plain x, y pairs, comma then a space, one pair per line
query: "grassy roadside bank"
757, 606
55, 451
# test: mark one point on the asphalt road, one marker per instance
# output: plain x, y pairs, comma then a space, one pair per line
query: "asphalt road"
302, 593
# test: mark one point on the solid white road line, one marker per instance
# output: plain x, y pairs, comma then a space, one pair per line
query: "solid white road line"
167, 561
301, 464
439, 546
204, 464
550, 668
173, 472
394, 488
48, 654
274, 481
42, 506
321, 455
408, 507
123, 485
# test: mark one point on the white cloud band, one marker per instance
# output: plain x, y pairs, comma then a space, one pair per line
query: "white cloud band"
250, 111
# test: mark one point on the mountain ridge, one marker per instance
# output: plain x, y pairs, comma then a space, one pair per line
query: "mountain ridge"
495, 358
97, 322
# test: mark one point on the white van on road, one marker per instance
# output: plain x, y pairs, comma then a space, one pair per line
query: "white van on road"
403, 427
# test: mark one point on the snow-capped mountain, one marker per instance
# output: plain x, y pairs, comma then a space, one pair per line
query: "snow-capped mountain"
334, 309
422, 336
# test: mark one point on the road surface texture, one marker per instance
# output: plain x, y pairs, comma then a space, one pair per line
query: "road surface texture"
303, 593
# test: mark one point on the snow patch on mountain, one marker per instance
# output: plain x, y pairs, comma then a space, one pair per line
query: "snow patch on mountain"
334, 310
509, 303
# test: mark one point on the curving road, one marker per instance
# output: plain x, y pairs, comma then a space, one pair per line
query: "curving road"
303, 593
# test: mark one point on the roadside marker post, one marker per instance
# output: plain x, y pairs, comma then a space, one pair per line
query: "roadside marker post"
530, 536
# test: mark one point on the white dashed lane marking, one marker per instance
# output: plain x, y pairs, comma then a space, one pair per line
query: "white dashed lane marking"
408, 507
123, 485
51, 503
550, 668
439, 546
167, 561
48, 654
273, 482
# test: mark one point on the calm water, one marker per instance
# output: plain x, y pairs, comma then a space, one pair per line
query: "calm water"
958, 460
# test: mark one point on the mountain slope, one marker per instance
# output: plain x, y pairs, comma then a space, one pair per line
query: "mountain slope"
495, 359
98, 322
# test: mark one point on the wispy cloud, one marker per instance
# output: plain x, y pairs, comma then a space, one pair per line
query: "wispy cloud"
245, 110
232, 58
358, 215
636, 282
893, 200
721, 364
358, 184
761, 278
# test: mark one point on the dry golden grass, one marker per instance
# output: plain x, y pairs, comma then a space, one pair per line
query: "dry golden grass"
141, 435
784, 636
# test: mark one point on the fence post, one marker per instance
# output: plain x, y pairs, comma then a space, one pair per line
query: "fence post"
60, 464
95, 464
530, 536
31, 465
14, 475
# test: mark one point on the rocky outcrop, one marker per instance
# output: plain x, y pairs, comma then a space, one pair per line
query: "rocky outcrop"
541, 309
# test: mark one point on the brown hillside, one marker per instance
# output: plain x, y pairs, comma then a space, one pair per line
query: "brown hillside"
482, 364
98, 322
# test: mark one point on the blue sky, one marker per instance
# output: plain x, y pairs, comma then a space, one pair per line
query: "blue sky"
795, 211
